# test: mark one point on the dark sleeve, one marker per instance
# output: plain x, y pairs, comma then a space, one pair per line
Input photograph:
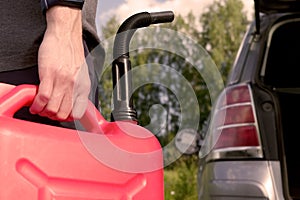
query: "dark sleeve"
89, 27
90, 35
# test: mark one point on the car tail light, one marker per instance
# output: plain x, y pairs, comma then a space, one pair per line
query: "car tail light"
233, 130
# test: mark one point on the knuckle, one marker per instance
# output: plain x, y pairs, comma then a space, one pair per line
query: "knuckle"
64, 112
44, 97
63, 76
70, 79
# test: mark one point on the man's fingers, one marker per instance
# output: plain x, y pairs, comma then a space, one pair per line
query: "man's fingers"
60, 94
43, 96
80, 106
65, 108
59, 102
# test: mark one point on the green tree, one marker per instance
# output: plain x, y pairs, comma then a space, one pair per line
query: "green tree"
110, 28
223, 27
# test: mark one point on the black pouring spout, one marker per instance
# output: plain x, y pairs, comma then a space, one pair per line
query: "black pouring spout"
122, 83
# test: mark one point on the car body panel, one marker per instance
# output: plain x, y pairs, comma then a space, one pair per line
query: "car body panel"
240, 180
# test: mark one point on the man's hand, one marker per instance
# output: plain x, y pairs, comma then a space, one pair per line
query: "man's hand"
64, 79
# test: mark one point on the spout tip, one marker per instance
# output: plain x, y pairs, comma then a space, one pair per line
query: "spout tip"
162, 17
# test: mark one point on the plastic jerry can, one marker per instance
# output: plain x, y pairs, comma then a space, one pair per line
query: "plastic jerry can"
109, 160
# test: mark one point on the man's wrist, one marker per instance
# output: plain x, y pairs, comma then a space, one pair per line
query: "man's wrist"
58, 25
47, 4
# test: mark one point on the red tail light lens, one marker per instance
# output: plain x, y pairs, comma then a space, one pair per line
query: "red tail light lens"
234, 122
237, 137
234, 115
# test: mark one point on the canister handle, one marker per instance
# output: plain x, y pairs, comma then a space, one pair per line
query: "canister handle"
23, 95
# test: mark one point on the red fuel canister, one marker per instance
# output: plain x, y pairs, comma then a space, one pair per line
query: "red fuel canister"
110, 160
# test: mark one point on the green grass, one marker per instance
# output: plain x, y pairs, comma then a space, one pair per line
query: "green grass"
171, 177
181, 180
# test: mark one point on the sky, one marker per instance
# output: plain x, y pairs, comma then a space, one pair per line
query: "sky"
125, 8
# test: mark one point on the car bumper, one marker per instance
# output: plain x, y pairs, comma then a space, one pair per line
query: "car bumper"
237, 180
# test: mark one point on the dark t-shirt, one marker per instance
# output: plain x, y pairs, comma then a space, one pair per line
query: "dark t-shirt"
22, 29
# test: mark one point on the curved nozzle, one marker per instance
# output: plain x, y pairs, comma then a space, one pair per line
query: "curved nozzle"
121, 66
131, 24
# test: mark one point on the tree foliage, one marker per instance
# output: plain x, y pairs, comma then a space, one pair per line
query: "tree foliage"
223, 27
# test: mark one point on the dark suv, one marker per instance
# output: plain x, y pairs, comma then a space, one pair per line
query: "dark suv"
251, 143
